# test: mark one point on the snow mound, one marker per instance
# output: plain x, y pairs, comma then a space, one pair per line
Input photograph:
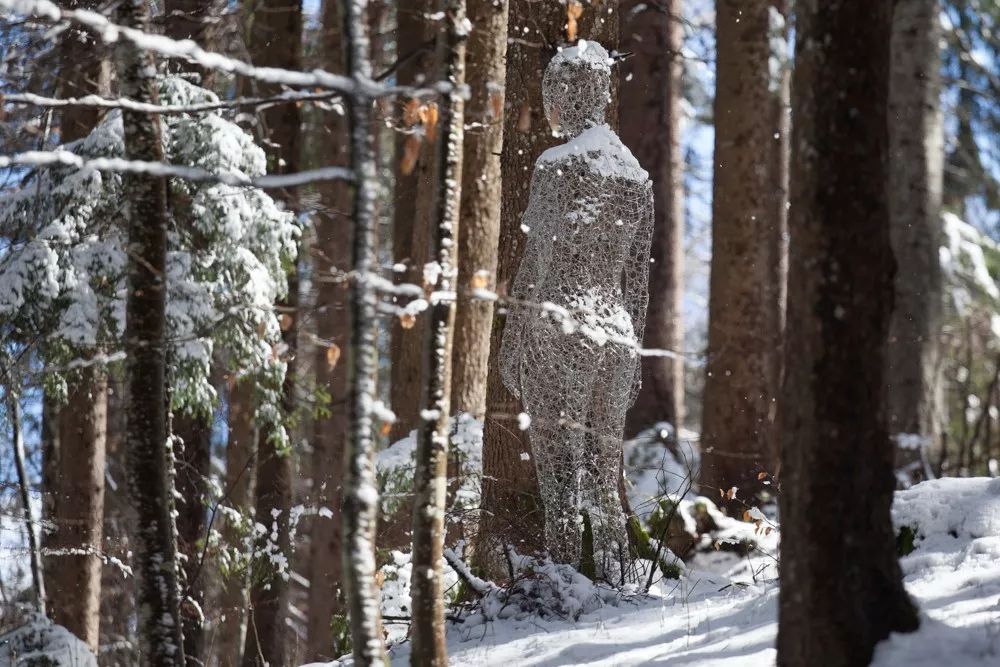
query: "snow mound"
41, 643
952, 507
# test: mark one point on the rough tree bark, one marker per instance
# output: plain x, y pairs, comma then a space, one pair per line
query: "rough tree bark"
431, 458
736, 404
776, 225
74, 457
916, 154
333, 327
841, 589
413, 210
651, 81
360, 508
150, 461
481, 195
276, 41
511, 508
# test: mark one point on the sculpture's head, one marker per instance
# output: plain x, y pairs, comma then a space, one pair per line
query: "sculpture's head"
577, 87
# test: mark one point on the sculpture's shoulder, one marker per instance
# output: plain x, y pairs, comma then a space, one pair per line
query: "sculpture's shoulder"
603, 153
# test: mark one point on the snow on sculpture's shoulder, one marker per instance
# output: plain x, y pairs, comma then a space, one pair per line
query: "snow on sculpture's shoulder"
602, 150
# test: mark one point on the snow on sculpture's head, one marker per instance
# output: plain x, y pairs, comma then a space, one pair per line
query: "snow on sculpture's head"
576, 88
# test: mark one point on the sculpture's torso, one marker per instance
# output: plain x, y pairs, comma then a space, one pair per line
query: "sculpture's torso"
589, 201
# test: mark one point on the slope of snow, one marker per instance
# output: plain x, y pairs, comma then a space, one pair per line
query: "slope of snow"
723, 613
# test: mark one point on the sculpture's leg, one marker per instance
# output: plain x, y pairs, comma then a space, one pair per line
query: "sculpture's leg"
608, 404
556, 394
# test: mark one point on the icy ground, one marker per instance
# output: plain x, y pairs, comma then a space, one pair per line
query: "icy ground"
722, 612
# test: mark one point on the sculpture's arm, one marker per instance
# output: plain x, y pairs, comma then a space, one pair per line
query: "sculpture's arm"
527, 279
637, 270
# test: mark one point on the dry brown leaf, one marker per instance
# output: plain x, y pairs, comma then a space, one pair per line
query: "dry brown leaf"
332, 356
761, 476
524, 119
379, 578
731, 493
746, 515
407, 320
722, 494
411, 153
386, 429
411, 112
480, 280
574, 10
429, 119
286, 321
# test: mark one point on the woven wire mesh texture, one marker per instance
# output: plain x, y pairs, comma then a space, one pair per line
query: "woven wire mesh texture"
569, 348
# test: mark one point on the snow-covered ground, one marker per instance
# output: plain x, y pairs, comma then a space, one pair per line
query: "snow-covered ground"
723, 611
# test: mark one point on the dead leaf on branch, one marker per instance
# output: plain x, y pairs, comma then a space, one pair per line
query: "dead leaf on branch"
407, 320
332, 356
574, 10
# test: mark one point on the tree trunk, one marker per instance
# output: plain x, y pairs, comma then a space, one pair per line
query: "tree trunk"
481, 195
413, 210
332, 251
75, 570
736, 404
915, 179
193, 464
150, 464
197, 20
776, 264
276, 41
73, 473
841, 589
651, 80
511, 508
431, 458
360, 508
241, 450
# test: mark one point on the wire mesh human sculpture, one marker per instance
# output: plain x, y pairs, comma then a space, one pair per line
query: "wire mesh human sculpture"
574, 365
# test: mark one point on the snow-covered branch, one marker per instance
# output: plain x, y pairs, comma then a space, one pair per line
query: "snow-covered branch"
196, 174
187, 49
98, 102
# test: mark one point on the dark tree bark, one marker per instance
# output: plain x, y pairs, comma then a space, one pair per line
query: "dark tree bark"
776, 227
150, 463
737, 401
481, 195
198, 20
413, 209
915, 178
360, 508
73, 473
431, 458
651, 127
841, 588
276, 41
511, 508
333, 327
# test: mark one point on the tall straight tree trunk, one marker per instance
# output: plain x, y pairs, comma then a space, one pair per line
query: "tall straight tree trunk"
73, 464
736, 404
150, 461
413, 208
241, 450
360, 508
481, 195
651, 127
276, 41
841, 588
916, 154
333, 327
511, 508
431, 458
776, 226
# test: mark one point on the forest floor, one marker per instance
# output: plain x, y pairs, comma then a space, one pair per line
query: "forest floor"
723, 610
